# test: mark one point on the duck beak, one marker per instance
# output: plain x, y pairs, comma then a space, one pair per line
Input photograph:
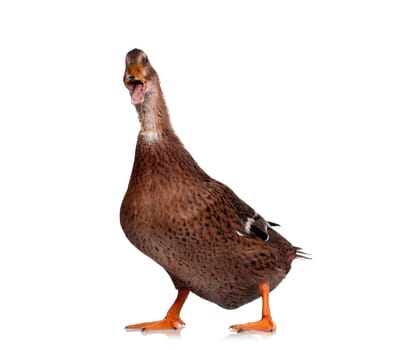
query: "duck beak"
134, 81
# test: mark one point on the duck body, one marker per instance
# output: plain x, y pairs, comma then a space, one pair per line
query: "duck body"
208, 240
188, 223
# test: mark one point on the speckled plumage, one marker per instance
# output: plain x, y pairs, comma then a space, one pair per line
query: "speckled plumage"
206, 238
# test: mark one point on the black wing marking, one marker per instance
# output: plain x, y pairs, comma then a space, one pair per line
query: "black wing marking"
259, 233
255, 226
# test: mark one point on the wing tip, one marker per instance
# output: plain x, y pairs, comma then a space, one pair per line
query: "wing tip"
273, 224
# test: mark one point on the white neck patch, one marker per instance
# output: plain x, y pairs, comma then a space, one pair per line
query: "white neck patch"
150, 136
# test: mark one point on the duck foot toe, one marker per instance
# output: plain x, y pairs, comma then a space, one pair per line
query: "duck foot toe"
266, 324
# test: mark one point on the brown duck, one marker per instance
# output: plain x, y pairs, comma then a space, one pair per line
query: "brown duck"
208, 240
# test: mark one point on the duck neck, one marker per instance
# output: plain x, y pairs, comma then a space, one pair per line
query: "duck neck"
154, 117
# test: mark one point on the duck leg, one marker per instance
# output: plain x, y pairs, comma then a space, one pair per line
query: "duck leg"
265, 324
172, 319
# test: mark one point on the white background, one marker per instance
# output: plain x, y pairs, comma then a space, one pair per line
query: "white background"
304, 108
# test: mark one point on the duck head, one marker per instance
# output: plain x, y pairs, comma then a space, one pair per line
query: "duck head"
139, 76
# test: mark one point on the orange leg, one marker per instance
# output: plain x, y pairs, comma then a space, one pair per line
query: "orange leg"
172, 319
265, 324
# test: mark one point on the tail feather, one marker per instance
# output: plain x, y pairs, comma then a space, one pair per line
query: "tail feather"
302, 255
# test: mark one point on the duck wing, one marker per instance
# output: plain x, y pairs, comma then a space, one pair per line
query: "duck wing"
248, 222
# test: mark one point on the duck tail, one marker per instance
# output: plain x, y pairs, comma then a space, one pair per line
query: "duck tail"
299, 253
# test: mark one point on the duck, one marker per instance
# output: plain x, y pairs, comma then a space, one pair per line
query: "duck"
208, 240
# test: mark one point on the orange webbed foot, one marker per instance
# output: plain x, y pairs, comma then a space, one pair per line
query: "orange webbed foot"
266, 324
165, 324
172, 321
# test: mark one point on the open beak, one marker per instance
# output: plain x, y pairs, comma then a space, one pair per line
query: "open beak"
135, 83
